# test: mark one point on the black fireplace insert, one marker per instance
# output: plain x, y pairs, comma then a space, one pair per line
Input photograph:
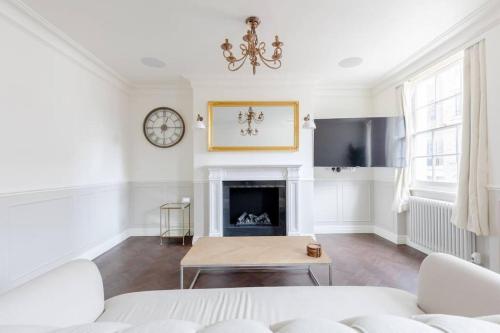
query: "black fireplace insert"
254, 208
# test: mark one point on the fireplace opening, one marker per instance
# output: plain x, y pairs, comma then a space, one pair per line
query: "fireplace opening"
254, 208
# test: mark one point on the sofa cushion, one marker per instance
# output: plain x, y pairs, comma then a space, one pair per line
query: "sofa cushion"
311, 325
492, 319
236, 326
71, 294
25, 329
389, 324
166, 326
267, 305
104, 327
456, 324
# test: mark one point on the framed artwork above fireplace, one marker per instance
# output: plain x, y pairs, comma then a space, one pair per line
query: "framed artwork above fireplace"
258, 126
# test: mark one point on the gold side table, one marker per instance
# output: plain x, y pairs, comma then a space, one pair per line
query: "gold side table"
176, 231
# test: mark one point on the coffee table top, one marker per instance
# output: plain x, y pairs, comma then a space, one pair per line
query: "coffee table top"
251, 251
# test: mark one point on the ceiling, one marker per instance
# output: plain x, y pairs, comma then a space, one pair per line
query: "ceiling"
187, 34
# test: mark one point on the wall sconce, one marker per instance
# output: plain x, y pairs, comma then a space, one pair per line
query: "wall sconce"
309, 123
199, 122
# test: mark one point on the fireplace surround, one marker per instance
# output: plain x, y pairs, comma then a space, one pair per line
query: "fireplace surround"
217, 175
254, 208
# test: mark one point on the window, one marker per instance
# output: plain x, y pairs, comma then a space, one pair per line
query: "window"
436, 101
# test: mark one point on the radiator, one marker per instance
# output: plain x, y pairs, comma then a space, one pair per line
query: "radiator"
430, 229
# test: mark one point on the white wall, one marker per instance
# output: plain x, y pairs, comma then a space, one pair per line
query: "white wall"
158, 175
61, 125
334, 102
63, 150
150, 163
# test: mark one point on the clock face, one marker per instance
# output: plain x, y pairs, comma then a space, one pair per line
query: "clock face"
164, 127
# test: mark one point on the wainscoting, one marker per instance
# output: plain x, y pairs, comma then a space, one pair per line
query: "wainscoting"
357, 206
42, 229
147, 197
342, 206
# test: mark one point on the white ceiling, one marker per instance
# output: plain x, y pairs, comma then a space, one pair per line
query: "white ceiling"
317, 34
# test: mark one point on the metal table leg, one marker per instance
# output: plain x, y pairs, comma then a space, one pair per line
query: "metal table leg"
182, 277
161, 228
330, 274
183, 226
195, 279
313, 277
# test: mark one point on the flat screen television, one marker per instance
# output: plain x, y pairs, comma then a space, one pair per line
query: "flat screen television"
360, 142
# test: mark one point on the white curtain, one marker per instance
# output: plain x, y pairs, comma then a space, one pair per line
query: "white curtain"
471, 206
403, 176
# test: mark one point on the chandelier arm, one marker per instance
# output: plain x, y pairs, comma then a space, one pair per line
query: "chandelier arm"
261, 55
261, 47
227, 53
234, 67
271, 63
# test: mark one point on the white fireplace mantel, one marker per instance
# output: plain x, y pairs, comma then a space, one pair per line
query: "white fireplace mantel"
218, 174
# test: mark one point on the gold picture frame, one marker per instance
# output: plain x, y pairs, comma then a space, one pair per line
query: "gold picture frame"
291, 133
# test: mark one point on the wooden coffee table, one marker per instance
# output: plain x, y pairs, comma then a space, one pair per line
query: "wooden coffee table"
252, 253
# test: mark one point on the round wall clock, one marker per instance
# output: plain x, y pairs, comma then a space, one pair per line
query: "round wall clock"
163, 127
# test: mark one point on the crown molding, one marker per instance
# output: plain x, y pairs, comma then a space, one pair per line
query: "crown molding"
468, 29
24, 17
333, 90
240, 81
178, 85
183, 85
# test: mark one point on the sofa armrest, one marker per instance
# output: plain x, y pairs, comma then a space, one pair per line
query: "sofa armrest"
71, 294
449, 285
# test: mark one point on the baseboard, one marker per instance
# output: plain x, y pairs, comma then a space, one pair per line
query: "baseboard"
143, 231
97, 250
390, 236
418, 247
343, 229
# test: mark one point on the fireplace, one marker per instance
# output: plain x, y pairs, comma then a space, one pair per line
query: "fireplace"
254, 208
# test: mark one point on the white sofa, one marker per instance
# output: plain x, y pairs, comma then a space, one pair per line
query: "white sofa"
453, 296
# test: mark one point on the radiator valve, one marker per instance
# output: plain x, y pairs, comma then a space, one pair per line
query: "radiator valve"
476, 258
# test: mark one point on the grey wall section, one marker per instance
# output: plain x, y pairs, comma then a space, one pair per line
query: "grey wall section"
42, 229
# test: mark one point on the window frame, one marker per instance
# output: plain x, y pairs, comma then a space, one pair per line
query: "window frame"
448, 188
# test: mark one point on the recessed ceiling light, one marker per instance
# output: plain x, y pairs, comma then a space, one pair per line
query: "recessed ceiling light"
153, 62
350, 62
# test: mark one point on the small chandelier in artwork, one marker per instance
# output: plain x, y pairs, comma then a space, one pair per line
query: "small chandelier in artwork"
252, 49
251, 118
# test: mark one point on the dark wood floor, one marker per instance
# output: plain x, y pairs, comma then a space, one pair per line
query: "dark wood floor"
141, 263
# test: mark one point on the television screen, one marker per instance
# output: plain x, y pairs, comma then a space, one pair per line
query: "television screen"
360, 142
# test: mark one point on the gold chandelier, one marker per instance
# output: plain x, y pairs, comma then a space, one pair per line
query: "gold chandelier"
250, 117
252, 50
